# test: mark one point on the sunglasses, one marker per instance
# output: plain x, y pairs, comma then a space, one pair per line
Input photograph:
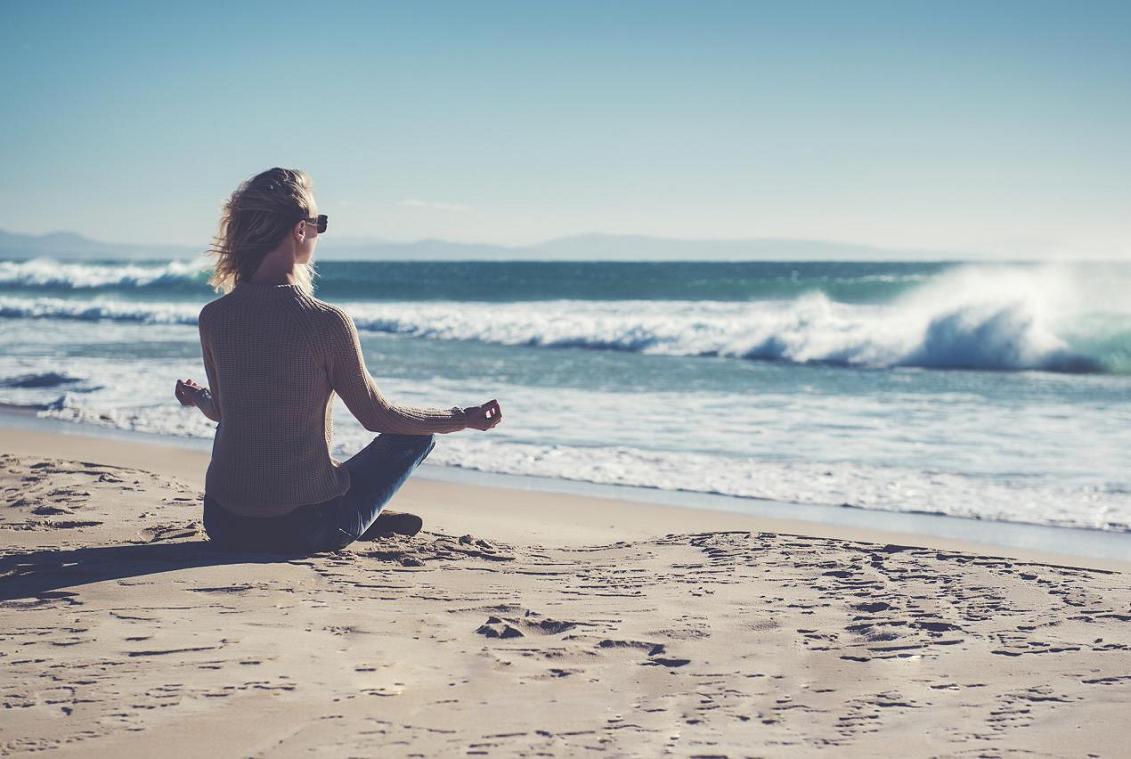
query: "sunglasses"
320, 221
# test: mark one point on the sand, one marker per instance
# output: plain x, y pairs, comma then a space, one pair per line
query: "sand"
529, 624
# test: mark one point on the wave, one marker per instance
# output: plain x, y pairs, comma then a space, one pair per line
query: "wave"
827, 483
47, 273
39, 380
500, 281
990, 318
844, 484
976, 317
99, 310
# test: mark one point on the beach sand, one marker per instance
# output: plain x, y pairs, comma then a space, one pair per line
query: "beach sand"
530, 624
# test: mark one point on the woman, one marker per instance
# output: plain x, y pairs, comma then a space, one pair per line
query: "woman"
274, 356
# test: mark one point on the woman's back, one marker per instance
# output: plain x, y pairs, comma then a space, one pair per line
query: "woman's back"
274, 357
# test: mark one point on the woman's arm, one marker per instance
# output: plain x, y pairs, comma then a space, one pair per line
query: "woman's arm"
207, 399
350, 379
208, 404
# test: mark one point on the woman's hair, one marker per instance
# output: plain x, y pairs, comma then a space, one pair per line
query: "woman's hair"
256, 218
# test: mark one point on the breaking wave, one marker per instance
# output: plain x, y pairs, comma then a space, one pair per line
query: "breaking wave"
973, 317
48, 273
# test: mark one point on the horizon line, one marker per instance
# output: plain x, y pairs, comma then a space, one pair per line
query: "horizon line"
522, 246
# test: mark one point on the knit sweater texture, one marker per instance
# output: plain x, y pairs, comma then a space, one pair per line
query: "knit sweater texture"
275, 357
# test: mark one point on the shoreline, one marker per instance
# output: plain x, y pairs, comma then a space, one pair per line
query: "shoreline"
501, 510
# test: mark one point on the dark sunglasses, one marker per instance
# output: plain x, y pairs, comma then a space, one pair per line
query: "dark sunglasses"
320, 221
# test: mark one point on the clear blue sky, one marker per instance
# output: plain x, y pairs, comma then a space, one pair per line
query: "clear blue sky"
1002, 127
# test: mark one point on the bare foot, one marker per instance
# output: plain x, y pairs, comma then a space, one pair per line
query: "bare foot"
393, 523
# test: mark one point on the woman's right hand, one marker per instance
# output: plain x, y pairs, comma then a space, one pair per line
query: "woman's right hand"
187, 392
484, 417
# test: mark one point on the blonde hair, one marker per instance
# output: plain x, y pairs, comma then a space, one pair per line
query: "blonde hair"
255, 219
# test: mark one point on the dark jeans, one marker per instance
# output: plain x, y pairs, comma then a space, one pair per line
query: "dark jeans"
377, 471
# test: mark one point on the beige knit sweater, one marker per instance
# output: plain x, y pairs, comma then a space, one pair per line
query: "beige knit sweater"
274, 358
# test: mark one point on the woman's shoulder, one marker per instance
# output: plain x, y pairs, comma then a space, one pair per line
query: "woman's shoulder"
214, 308
336, 319
208, 310
323, 316
327, 317
320, 307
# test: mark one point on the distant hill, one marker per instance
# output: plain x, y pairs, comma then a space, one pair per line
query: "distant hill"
419, 250
639, 247
67, 246
593, 247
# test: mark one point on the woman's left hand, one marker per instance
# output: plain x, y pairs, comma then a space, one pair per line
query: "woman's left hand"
187, 392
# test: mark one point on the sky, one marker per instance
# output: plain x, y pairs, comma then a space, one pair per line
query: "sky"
998, 128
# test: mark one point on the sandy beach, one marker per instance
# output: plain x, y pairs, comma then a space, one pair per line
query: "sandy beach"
530, 624
777, 359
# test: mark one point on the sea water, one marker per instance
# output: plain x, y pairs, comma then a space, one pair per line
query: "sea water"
993, 391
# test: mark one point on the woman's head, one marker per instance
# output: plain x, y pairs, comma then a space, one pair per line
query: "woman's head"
265, 213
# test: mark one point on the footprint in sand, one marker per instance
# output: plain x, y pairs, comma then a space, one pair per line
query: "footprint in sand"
497, 628
49, 511
530, 623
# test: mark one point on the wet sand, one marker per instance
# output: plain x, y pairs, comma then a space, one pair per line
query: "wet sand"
523, 623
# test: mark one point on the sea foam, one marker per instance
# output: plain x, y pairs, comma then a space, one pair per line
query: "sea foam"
46, 272
977, 317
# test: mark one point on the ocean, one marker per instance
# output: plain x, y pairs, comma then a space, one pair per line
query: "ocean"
993, 391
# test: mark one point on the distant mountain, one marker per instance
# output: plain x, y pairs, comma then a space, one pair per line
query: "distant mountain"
68, 246
640, 247
592, 247
419, 250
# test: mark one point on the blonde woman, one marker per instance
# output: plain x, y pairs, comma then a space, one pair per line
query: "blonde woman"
274, 356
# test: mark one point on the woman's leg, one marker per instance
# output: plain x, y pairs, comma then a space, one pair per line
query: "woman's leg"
377, 472
233, 532
218, 525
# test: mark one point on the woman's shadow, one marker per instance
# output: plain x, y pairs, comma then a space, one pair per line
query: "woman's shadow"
51, 573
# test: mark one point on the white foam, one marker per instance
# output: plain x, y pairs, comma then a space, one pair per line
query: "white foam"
867, 486
863, 486
974, 317
47, 272
98, 309
954, 454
